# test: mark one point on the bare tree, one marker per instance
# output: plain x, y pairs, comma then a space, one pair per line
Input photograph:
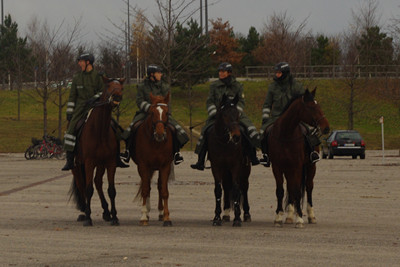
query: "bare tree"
53, 60
282, 40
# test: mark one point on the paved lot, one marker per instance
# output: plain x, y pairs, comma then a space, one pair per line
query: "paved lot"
357, 205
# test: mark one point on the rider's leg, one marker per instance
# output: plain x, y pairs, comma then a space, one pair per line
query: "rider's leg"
311, 142
176, 148
264, 148
250, 150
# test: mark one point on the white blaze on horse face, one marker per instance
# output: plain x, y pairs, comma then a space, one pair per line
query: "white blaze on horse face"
315, 101
160, 110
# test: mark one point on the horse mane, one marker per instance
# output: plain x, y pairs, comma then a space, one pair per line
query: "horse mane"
294, 98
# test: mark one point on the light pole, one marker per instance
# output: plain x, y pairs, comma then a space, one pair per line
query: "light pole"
129, 49
2, 13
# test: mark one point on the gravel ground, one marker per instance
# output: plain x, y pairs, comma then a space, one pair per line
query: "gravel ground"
356, 203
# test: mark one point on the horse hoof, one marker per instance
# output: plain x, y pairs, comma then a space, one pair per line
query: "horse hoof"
217, 223
226, 218
299, 225
167, 223
115, 222
160, 218
289, 221
247, 217
278, 223
237, 223
81, 218
106, 217
87, 223
312, 220
144, 223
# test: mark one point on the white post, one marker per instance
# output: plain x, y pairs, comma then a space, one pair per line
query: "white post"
383, 139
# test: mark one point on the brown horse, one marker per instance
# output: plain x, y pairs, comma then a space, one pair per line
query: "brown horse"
229, 165
97, 149
153, 152
288, 151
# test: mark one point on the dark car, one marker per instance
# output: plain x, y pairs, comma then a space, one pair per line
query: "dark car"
343, 143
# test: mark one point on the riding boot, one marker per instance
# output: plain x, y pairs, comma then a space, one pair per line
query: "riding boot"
125, 156
264, 148
314, 156
120, 164
200, 162
177, 155
253, 156
70, 161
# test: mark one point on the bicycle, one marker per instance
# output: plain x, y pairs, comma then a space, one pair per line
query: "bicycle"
48, 147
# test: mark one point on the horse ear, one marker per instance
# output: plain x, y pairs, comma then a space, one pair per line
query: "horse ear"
152, 98
236, 99
224, 98
166, 98
105, 79
314, 91
308, 96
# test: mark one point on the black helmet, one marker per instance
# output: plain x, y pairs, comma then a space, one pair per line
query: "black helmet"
153, 68
86, 57
225, 66
284, 68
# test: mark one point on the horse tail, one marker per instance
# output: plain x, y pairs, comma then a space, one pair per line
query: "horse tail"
77, 188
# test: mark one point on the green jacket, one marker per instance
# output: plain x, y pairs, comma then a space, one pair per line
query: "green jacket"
85, 85
218, 89
278, 95
143, 93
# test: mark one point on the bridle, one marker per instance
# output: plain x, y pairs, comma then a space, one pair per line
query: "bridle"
164, 123
231, 125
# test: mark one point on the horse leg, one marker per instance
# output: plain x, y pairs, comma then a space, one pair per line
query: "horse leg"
112, 193
279, 192
244, 187
237, 222
295, 196
310, 173
163, 176
89, 193
145, 193
218, 194
227, 187
160, 201
98, 181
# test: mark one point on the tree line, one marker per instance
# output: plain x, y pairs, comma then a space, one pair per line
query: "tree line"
46, 57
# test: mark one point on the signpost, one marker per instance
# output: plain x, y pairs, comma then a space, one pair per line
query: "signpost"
383, 139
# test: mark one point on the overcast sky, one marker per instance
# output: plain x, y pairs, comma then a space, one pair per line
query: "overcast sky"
324, 16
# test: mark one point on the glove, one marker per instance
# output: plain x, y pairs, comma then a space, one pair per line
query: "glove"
69, 117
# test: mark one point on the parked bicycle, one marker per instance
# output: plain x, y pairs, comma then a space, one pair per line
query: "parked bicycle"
48, 147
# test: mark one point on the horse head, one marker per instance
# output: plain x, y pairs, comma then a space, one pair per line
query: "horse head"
113, 91
227, 120
159, 112
313, 114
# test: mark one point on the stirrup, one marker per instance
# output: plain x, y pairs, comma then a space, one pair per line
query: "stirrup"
125, 156
265, 161
178, 158
314, 157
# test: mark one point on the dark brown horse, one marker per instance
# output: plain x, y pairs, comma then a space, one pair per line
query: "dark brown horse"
97, 149
229, 165
153, 152
288, 152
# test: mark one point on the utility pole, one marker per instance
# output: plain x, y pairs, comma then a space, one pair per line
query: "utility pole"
2, 13
206, 19
129, 49
201, 16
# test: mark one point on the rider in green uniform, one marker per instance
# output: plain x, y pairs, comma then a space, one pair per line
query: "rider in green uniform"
154, 84
280, 92
86, 88
227, 84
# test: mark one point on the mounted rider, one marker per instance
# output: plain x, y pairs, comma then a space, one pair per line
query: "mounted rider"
227, 85
86, 88
280, 92
153, 84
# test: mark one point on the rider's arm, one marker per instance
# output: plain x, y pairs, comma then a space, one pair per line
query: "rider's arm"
141, 101
210, 103
72, 99
267, 106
